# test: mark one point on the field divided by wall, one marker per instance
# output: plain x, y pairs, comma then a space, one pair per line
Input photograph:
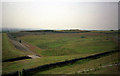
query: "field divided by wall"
56, 47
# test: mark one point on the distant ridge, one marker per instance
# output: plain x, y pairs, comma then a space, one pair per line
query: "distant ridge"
58, 31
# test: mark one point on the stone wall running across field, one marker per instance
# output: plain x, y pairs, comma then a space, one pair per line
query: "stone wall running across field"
28, 72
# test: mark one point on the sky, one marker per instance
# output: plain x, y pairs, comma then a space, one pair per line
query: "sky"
64, 14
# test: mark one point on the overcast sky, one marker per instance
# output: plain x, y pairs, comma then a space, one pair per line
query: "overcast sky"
60, 15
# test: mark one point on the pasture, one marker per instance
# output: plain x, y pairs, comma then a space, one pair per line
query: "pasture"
55, 47
59, 44
79, 66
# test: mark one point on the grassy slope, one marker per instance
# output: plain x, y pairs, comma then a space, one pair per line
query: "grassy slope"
70, 44
31, 63
8, 50
83, 65
61, 44
108, 70
80, 65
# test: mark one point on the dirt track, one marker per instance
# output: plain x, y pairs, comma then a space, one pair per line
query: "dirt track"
22, 46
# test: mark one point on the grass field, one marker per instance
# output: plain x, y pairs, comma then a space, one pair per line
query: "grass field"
31, 63
109, 70
85, 65
70, 44
8, 50
57, 47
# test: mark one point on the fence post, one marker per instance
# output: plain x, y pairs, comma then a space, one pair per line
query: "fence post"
17, 73
23, 73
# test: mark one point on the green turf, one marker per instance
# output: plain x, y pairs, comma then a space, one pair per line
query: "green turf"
8, 50
70, 44
83, 65
56, 47
31, 63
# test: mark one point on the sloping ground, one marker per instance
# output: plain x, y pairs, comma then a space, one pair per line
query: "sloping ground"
9, 41
84, 65
18, 44
94, 61
31, 63
8, 49
60, 44
34, 49
109, 69
26, 64
22, 45
101, 69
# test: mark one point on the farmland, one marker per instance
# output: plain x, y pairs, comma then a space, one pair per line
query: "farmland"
55, 47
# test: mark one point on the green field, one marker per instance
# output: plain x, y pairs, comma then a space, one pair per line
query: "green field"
109, 70
8, 50
85, 65
71, 44
57, 47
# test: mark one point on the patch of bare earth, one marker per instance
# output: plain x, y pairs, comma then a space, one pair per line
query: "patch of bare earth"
32, 48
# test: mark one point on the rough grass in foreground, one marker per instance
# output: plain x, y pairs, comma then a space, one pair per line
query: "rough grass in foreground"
31, 63
108, 70
84, 65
